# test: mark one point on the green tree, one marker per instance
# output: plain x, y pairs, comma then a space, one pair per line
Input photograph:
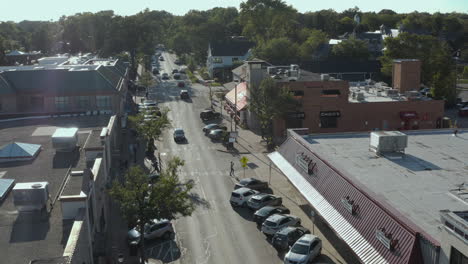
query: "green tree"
346, 24
313, 42
351, 48
146, 80
268, 102
141, 201
150, 125
465, 72
278, 51
438, 68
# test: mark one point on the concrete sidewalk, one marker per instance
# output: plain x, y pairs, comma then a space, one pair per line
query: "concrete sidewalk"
251, 146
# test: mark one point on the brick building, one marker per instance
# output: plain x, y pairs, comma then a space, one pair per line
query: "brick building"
332, 105
74, 86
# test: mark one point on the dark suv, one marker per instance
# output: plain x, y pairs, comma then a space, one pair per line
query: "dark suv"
209, 114
288, 236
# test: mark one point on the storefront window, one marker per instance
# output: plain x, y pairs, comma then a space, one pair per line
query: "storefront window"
456, 257
103, 102
83, 102
329, 119
217, 60
62, 103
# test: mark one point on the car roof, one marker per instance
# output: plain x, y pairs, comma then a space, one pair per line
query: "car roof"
242, 190
286, 230
307, 239
276, 218
178, 130
261, 195
216, 131
246, 180
183, 91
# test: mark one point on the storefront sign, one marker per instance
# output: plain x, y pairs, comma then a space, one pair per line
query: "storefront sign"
349, 205
297, 115
386, 239
330, 114
408, 115
306, 163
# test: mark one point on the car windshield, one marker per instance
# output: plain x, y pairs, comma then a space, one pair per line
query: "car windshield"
179, 132
244, 181
269, 223
300, 249
256, 200
235, 194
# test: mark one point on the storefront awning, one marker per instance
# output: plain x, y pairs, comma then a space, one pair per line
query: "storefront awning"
363, 249
241, 96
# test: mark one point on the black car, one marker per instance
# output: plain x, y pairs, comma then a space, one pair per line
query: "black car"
252, 183
209, 114
175, 71
262, 214
288, 236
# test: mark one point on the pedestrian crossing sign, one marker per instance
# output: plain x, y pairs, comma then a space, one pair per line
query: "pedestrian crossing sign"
244, 161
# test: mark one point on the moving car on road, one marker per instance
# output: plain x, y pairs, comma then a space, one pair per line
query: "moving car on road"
263, 199
179, 135
181, 84
176, 76
262, 214
175, 71
161, 58
278, 221
287, 236
165, 76
252, 183
209, 114
304, 250
184, 94
240, 196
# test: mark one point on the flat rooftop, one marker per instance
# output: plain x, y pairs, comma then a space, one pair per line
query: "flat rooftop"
426, 179
28, 236
379, 93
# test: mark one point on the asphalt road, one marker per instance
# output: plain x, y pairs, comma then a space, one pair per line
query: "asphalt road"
215, 233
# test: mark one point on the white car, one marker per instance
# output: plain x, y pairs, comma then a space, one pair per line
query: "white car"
304, 250
240, 196
278, 221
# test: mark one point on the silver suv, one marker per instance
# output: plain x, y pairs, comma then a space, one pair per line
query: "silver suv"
278, 221
304, 250
154, 229
239, 197
263, 199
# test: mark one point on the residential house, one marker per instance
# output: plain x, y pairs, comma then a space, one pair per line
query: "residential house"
225, 55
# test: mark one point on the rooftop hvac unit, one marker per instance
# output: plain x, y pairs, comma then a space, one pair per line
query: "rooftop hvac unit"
271, 70
30, 196
360, 96
392, 92
367, 88
324, 77
388, 141
65, 139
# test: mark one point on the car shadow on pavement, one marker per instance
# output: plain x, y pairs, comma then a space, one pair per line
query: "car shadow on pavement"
164, 250
246, 213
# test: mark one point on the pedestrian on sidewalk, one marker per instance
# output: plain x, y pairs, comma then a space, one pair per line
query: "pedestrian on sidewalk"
232, 169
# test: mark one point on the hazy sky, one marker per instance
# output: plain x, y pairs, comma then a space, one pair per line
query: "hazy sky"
17, 10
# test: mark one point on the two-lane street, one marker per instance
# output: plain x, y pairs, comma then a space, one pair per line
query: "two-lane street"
215, 233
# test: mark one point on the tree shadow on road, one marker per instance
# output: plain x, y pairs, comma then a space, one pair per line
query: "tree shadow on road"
199, 201
164, 250
246, 213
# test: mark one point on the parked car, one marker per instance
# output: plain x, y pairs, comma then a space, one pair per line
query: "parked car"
210, 127
165, 76
263, 199
183, 70
155, 229
240, 196
209, 114
177, 61
175, 71
304, 250
217, 134
155, 71
287, 236
263, 213
184, 94
161, 58
181, 84
252, 183
176, 76
179, 135
148, 106
278, 221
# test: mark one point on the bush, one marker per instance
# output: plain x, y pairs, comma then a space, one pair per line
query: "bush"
192, 77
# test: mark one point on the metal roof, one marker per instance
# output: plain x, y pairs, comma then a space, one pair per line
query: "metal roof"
326, 188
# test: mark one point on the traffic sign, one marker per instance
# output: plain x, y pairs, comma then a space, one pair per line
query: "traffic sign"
244, 161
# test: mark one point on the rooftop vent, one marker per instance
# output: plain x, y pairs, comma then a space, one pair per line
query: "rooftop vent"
360, 96
324, 77
30, 196
65, 139
388, 142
